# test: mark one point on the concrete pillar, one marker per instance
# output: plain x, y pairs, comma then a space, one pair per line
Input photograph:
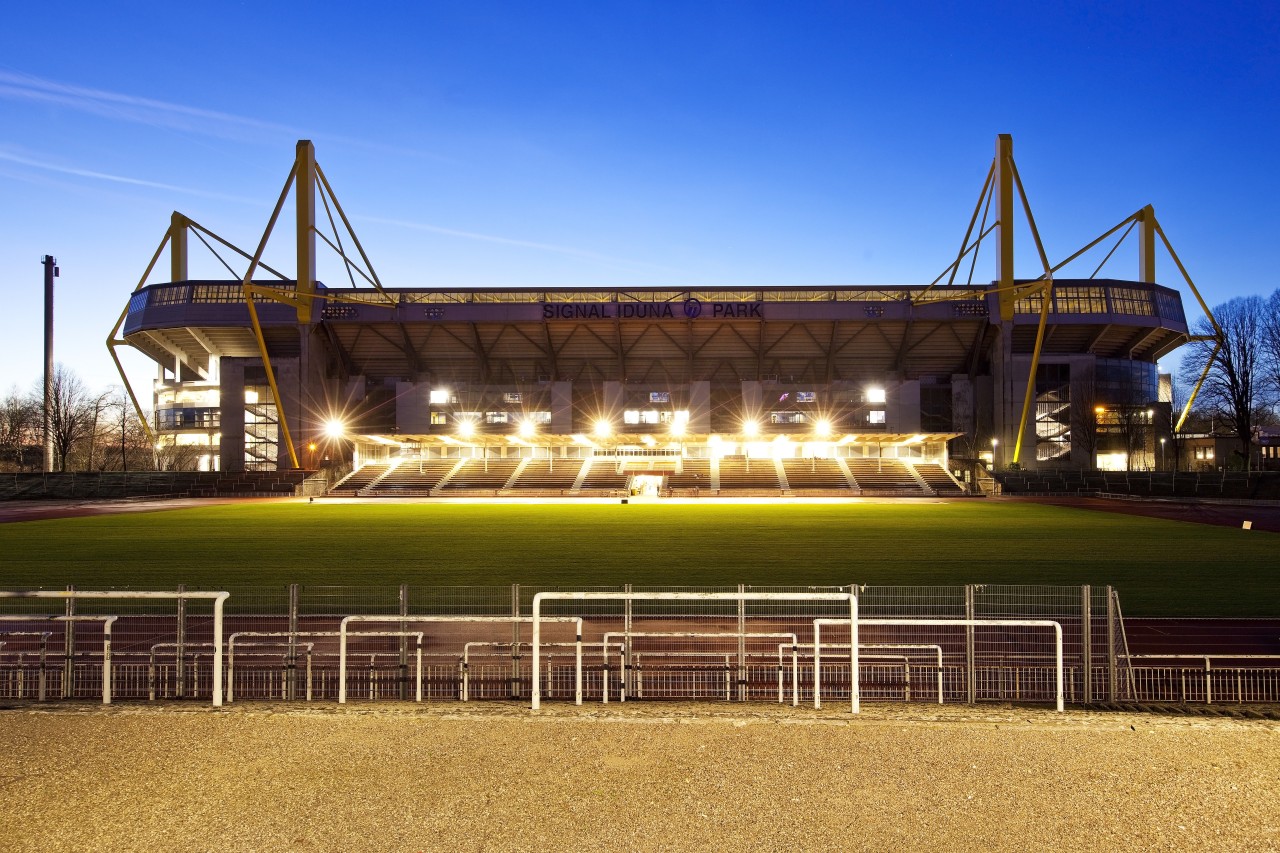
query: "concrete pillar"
231, 401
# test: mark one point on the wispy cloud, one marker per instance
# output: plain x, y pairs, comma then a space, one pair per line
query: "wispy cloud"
24, 87
15, 86
121, 179
569, 251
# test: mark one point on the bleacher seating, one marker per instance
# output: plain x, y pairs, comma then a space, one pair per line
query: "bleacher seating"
695, 474
887, 476
415, 476
490, 474
938, 479
360, 478
737, 472
821, 474
603, 476
549, 475
117, 485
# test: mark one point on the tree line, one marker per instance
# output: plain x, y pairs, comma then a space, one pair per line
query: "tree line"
90, 430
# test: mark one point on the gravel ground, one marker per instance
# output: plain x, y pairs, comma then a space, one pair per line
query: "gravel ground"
639, 777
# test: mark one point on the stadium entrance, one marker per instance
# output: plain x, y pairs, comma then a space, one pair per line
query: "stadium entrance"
646, 485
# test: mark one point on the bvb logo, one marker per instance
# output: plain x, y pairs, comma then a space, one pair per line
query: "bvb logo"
692, 308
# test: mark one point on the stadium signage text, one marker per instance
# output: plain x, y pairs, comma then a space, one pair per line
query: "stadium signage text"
690, 309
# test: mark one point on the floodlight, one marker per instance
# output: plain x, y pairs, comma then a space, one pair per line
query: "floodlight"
750, 428
527, 428
603, 429
822, 428
334, 428
466, 428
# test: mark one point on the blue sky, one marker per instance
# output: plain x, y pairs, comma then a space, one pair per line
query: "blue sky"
625, 144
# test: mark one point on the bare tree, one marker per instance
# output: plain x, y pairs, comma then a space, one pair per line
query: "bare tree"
126, 447
1084, 422
70, 414
1271, 343
1235, 391
19, 430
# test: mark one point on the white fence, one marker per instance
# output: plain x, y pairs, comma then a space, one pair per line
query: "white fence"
915, 644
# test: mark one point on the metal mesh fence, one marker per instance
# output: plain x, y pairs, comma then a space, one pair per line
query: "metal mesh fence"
283, 644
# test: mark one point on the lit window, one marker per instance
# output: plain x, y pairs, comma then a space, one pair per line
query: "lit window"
875, 416
439, 418
439, 396
631, 416
806, 396
511, 397
497, 417
659, 396
876, 395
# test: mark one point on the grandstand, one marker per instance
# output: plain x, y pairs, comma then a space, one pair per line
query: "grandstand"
838, 391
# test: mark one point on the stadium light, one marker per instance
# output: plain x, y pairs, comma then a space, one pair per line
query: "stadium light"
822, 428
750, 428
677, 429
603, 428
334, 428
466, 428
527, 428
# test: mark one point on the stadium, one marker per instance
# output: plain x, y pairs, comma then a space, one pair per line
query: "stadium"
654, 391
795, 593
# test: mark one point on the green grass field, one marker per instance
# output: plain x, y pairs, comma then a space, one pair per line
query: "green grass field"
1160, 567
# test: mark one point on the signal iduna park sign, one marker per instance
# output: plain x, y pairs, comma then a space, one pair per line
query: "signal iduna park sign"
690, 309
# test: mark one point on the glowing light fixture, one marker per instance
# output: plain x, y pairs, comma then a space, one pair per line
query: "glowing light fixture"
335, 428
677, 428
466, 428
603, 429
822, 428
750, 429
527, 428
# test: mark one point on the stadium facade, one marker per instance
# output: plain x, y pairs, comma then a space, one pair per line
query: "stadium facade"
280, 372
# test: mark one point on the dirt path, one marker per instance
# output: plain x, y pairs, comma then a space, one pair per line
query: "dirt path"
651, 777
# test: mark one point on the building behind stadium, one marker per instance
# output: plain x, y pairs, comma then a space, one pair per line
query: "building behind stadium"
269, 372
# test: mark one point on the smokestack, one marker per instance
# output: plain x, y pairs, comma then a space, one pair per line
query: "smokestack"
50, 273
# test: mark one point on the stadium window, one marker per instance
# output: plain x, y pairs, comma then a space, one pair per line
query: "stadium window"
439, 397
876, 395
650, 416
806, 396
875, 416
511, 397
497, 417
787, 417
659, 396
540, 417
631, 416
439, 418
